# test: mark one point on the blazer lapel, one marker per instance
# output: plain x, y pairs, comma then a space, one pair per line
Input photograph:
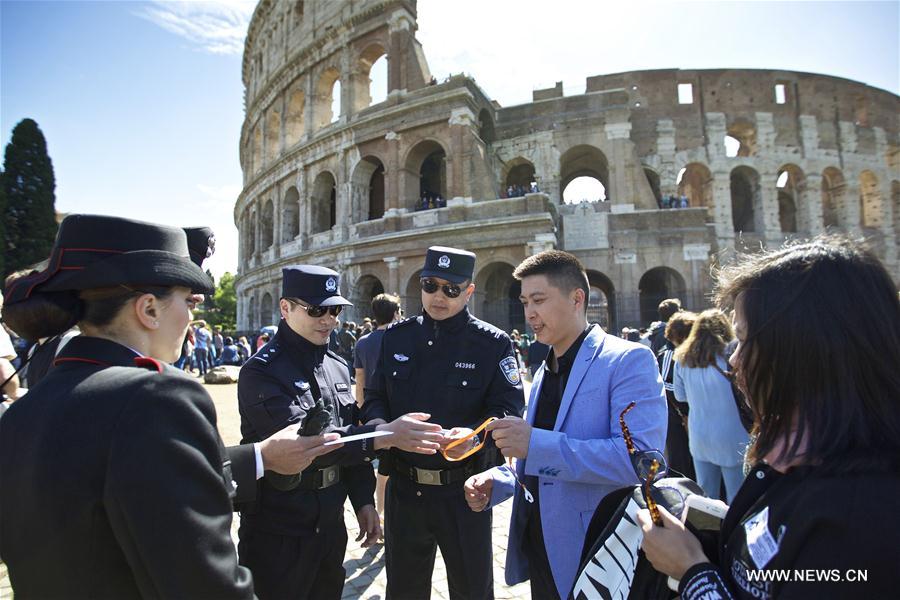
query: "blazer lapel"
533, 396
586, 354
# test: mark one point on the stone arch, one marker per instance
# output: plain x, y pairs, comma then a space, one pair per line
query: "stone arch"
323, 202
746, 200
656, 285
426, 172
601, 300
290, 215
273, 135
871, 207
249, 234
294, 119
653, 181
519, 172
267, 226
266, 310
253, 314
362, 86
412, 299
322, 110
583, 161
498, 297
833, 189
367, 190
789, 198
486, 127
697, 184
366, 288
744, 131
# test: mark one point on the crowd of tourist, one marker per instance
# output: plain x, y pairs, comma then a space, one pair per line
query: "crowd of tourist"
518, 190
674, 201
429, 201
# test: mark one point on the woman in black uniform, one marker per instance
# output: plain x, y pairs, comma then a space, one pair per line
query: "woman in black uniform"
818, 358
114, 482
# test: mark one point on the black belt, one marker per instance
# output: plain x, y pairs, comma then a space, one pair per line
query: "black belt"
320, 478
433, 476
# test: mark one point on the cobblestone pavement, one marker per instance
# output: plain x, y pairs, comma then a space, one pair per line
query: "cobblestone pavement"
366, 578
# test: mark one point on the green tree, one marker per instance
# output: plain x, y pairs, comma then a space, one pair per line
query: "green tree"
29, 212
221, 309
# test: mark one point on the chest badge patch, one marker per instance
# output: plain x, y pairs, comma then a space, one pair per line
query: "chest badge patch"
341, 387
301, 385
760, 543
510, 369
401, 357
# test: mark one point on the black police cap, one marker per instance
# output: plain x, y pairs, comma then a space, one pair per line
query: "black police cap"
452, 264
95, 251
314, 285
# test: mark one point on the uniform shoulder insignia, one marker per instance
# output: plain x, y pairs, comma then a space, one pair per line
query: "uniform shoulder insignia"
151, 364
336, 357
488, 329
267, 353
404, 322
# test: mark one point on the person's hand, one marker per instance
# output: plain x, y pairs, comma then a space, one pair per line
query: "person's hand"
287, 453
411, 434
511, 435
454, 434
369, 526
671, 549
478, 491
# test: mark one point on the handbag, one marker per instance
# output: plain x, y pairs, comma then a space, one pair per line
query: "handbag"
744, 411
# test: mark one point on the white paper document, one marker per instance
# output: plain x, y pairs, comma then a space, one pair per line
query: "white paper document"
358, 436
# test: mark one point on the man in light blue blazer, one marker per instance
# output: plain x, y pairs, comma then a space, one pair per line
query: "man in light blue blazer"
570, 451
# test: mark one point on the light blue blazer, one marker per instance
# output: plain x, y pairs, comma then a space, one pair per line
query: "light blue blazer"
584, 458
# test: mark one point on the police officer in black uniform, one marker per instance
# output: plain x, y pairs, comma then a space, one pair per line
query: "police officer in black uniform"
460, 371
293, 536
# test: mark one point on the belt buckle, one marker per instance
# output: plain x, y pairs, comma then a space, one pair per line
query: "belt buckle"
330, 476
428, 476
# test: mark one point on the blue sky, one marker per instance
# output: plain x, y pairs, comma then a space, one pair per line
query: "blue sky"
142, 102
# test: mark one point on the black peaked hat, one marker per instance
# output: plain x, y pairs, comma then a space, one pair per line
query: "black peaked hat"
452, 264
314, 285
94, 251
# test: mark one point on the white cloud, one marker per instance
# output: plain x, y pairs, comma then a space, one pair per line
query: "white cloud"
217, 27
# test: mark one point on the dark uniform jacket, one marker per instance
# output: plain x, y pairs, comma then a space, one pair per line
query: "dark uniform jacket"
460, 370
112, 483
277, 387
813, 528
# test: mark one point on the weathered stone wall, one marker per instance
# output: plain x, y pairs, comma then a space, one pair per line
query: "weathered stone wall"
342, 190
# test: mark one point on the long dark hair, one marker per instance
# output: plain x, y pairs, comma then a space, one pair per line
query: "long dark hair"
821, 353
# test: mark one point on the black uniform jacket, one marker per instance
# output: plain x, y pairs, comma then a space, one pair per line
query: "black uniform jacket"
460, 370
112, 483
276, 388
813, 534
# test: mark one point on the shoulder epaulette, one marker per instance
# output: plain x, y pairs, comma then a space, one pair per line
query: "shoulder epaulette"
407, 321
487, 329
267, 353
332, 354
151, 364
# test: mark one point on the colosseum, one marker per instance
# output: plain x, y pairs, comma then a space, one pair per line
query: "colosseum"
333, 178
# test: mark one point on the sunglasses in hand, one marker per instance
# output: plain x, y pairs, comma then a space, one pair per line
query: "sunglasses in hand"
649, 465
317, 311
451, 290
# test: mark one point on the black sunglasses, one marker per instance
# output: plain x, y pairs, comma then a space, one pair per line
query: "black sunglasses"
451, 290
318, 311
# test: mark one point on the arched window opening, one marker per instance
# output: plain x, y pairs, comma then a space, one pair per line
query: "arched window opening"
412, 300
257, 155
378, 80
266, 311
367, 287
433, 176
790, 179
367, 190
425, 176
376, 193
499, 295
486, 127
520, 179
655, 286
336, 101
327, 108
290, 219
745, 199
273, 135
584, 189
870, 205
253, 315
266, 225
323, 202
579, 165
695, 182
744, 133
601, 301
732, 146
